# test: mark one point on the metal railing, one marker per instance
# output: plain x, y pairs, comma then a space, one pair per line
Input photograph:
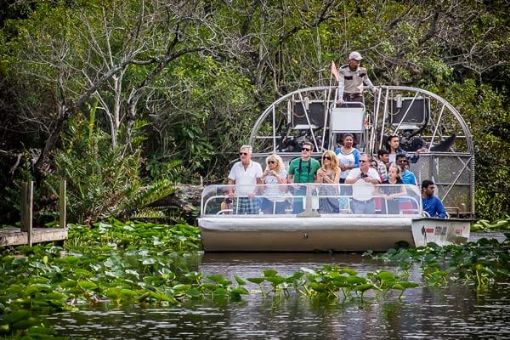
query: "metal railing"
308, 200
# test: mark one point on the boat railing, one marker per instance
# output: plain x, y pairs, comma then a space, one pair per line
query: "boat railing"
309, 200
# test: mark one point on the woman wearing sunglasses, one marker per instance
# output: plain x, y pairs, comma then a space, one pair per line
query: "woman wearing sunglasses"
274, 178
328, 176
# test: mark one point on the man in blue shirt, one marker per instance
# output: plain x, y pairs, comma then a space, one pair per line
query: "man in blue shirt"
431, 204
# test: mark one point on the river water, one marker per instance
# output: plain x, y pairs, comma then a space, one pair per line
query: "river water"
458, 312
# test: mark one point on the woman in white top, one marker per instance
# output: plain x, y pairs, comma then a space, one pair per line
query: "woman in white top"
274, 178
348, 156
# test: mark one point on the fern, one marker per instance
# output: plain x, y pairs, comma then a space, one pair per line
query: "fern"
146, 196
103, 180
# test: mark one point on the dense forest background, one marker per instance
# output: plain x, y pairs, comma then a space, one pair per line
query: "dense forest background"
125, 98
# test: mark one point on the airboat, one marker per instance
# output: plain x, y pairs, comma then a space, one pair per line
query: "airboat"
422, 119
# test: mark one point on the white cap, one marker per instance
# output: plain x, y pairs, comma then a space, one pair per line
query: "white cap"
355, 55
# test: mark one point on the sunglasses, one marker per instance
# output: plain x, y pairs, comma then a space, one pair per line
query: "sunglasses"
271, 162
326, 157
243, 154
306, 149
362, 161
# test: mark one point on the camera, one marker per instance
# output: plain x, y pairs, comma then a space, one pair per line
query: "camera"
228, 200
363, 175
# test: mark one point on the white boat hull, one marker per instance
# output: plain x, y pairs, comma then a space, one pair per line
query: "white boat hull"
439, 231
326, 233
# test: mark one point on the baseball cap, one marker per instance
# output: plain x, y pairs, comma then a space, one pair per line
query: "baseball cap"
355, 55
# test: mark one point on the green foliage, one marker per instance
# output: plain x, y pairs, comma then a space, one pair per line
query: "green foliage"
126, 263
329, 281
102, 180
480, 263
226, 67
485, 111
485, 225
100, 177
203, 121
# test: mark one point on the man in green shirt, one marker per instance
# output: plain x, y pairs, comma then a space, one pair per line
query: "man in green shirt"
302, 170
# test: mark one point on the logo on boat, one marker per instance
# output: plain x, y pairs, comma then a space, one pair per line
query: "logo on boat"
441, 230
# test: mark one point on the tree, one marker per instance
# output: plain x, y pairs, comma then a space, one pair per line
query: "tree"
112, 51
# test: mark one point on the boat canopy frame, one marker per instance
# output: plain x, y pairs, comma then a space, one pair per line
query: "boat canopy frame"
419, 117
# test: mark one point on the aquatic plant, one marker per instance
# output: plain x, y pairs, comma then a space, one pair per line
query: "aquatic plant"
485, 225
114, 263
332, 282
481, 263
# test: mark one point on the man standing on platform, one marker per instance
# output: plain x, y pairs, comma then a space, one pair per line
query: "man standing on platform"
351, 78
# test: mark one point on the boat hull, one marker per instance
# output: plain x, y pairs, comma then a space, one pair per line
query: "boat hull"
440, 231
292, 234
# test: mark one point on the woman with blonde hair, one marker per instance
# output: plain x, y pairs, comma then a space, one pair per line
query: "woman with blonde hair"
274, 178
329, 176
394, 190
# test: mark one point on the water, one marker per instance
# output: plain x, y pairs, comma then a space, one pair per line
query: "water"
457, 312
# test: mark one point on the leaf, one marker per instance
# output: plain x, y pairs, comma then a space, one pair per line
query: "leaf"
69, 260
240, 281
194, 292
220, 292
349, 271
111, 274
387, 276
220, 279
319, 287
148, 261
87, 285
408, 284
132, 272
163, 297
38, 287
257, 280
356, 280
269, 272
276, 280
209, 286
181, 287
364, 287
295, 277
241, 290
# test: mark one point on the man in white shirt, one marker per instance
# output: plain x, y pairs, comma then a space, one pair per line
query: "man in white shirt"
363, 180
245, 175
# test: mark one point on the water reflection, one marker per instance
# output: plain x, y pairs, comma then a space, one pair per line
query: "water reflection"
456, 312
